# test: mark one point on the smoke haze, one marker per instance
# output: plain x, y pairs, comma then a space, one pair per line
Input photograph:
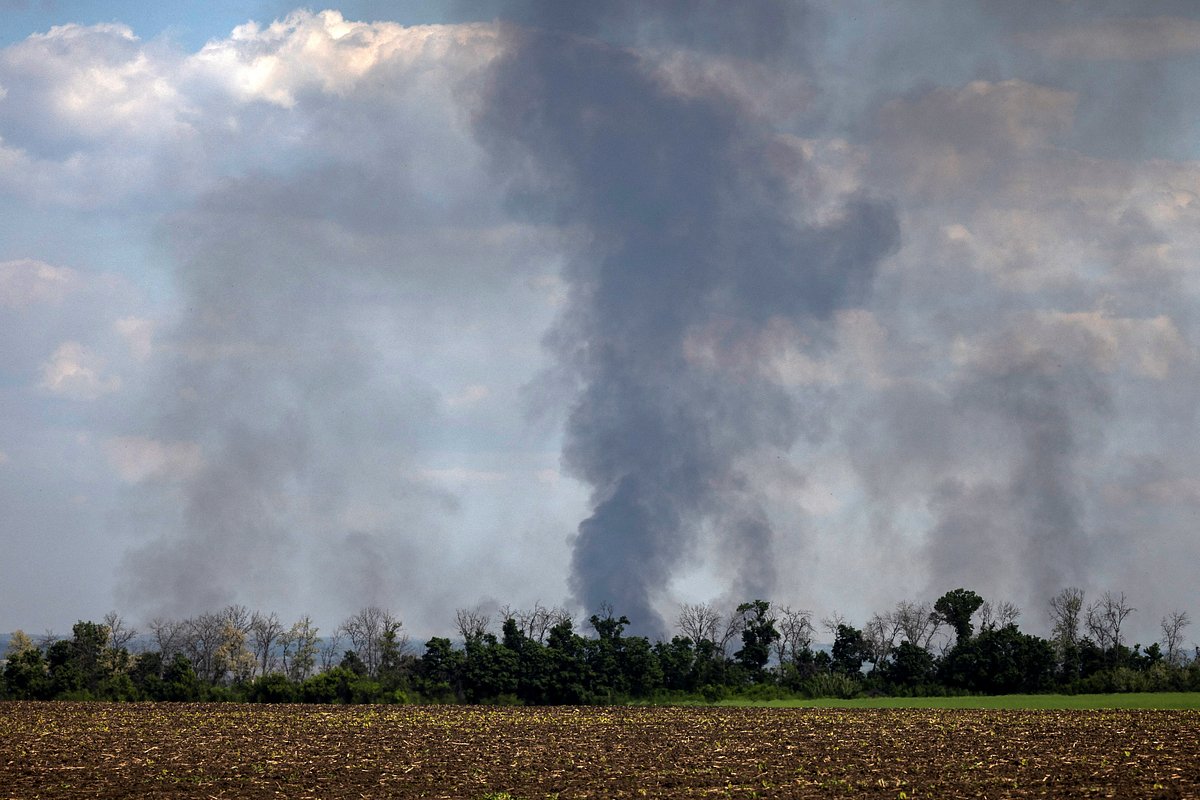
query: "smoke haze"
608, 303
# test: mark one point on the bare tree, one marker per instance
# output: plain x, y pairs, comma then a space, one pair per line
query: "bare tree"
331, 649
833, 622
1172, 630
238, 616
795, 633
1066, 614
264, 634
734, 622
535, 622
917, 622
203, 636
1105, 617
880, 634
47, 640
472, 624
699, 622
367, 630
169, 637
1000, 615
119, 635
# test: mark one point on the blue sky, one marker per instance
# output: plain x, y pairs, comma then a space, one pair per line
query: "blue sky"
439, 305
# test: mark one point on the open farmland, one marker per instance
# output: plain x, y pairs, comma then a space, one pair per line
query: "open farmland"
58, 750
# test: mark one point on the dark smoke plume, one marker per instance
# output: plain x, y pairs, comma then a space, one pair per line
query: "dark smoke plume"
689, 226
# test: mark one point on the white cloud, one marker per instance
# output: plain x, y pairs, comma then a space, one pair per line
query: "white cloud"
138, 458
93, 115
96, 82
26, 281
1119, 39
76, 372
323, 52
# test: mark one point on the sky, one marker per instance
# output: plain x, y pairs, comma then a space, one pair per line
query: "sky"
441, 304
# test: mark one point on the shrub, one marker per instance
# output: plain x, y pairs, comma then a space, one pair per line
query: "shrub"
273, 688
832, 684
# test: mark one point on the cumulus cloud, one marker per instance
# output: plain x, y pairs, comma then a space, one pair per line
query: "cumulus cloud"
27, 281
95, 114
77, 373
324, 52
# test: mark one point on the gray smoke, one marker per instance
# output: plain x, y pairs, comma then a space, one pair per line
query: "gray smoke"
687, 224
284, 393
1030, 517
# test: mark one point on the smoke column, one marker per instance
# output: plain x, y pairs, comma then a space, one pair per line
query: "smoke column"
688, 230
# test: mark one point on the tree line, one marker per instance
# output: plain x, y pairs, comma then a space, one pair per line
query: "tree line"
957, 644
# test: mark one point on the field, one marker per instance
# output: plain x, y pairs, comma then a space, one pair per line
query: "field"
61, 750
1025, 702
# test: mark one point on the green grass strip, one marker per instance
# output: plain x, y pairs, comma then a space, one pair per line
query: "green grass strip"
1146, 700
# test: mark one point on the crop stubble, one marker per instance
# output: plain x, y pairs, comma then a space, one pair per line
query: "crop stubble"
60, 750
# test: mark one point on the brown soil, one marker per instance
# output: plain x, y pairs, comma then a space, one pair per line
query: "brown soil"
61, 750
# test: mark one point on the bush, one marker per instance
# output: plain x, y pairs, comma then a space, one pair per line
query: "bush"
832, 684
273, 688
331, 686
760, 692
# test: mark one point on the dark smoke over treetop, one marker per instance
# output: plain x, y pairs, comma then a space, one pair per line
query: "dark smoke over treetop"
689, 230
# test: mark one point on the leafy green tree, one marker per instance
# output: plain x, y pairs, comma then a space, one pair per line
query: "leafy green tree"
353, 664
570, 677
605, 655
910, 666
1003, 661
394, 665
532, 663
271, 688
490, 670
25, 675
77, 666
439, 672
179, 680
713, 669
677, 660
758, 635
63, 670
956, 607
146, 673
849, 651
642, 670
331, 686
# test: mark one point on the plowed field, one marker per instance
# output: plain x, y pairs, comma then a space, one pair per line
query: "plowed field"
59, 750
